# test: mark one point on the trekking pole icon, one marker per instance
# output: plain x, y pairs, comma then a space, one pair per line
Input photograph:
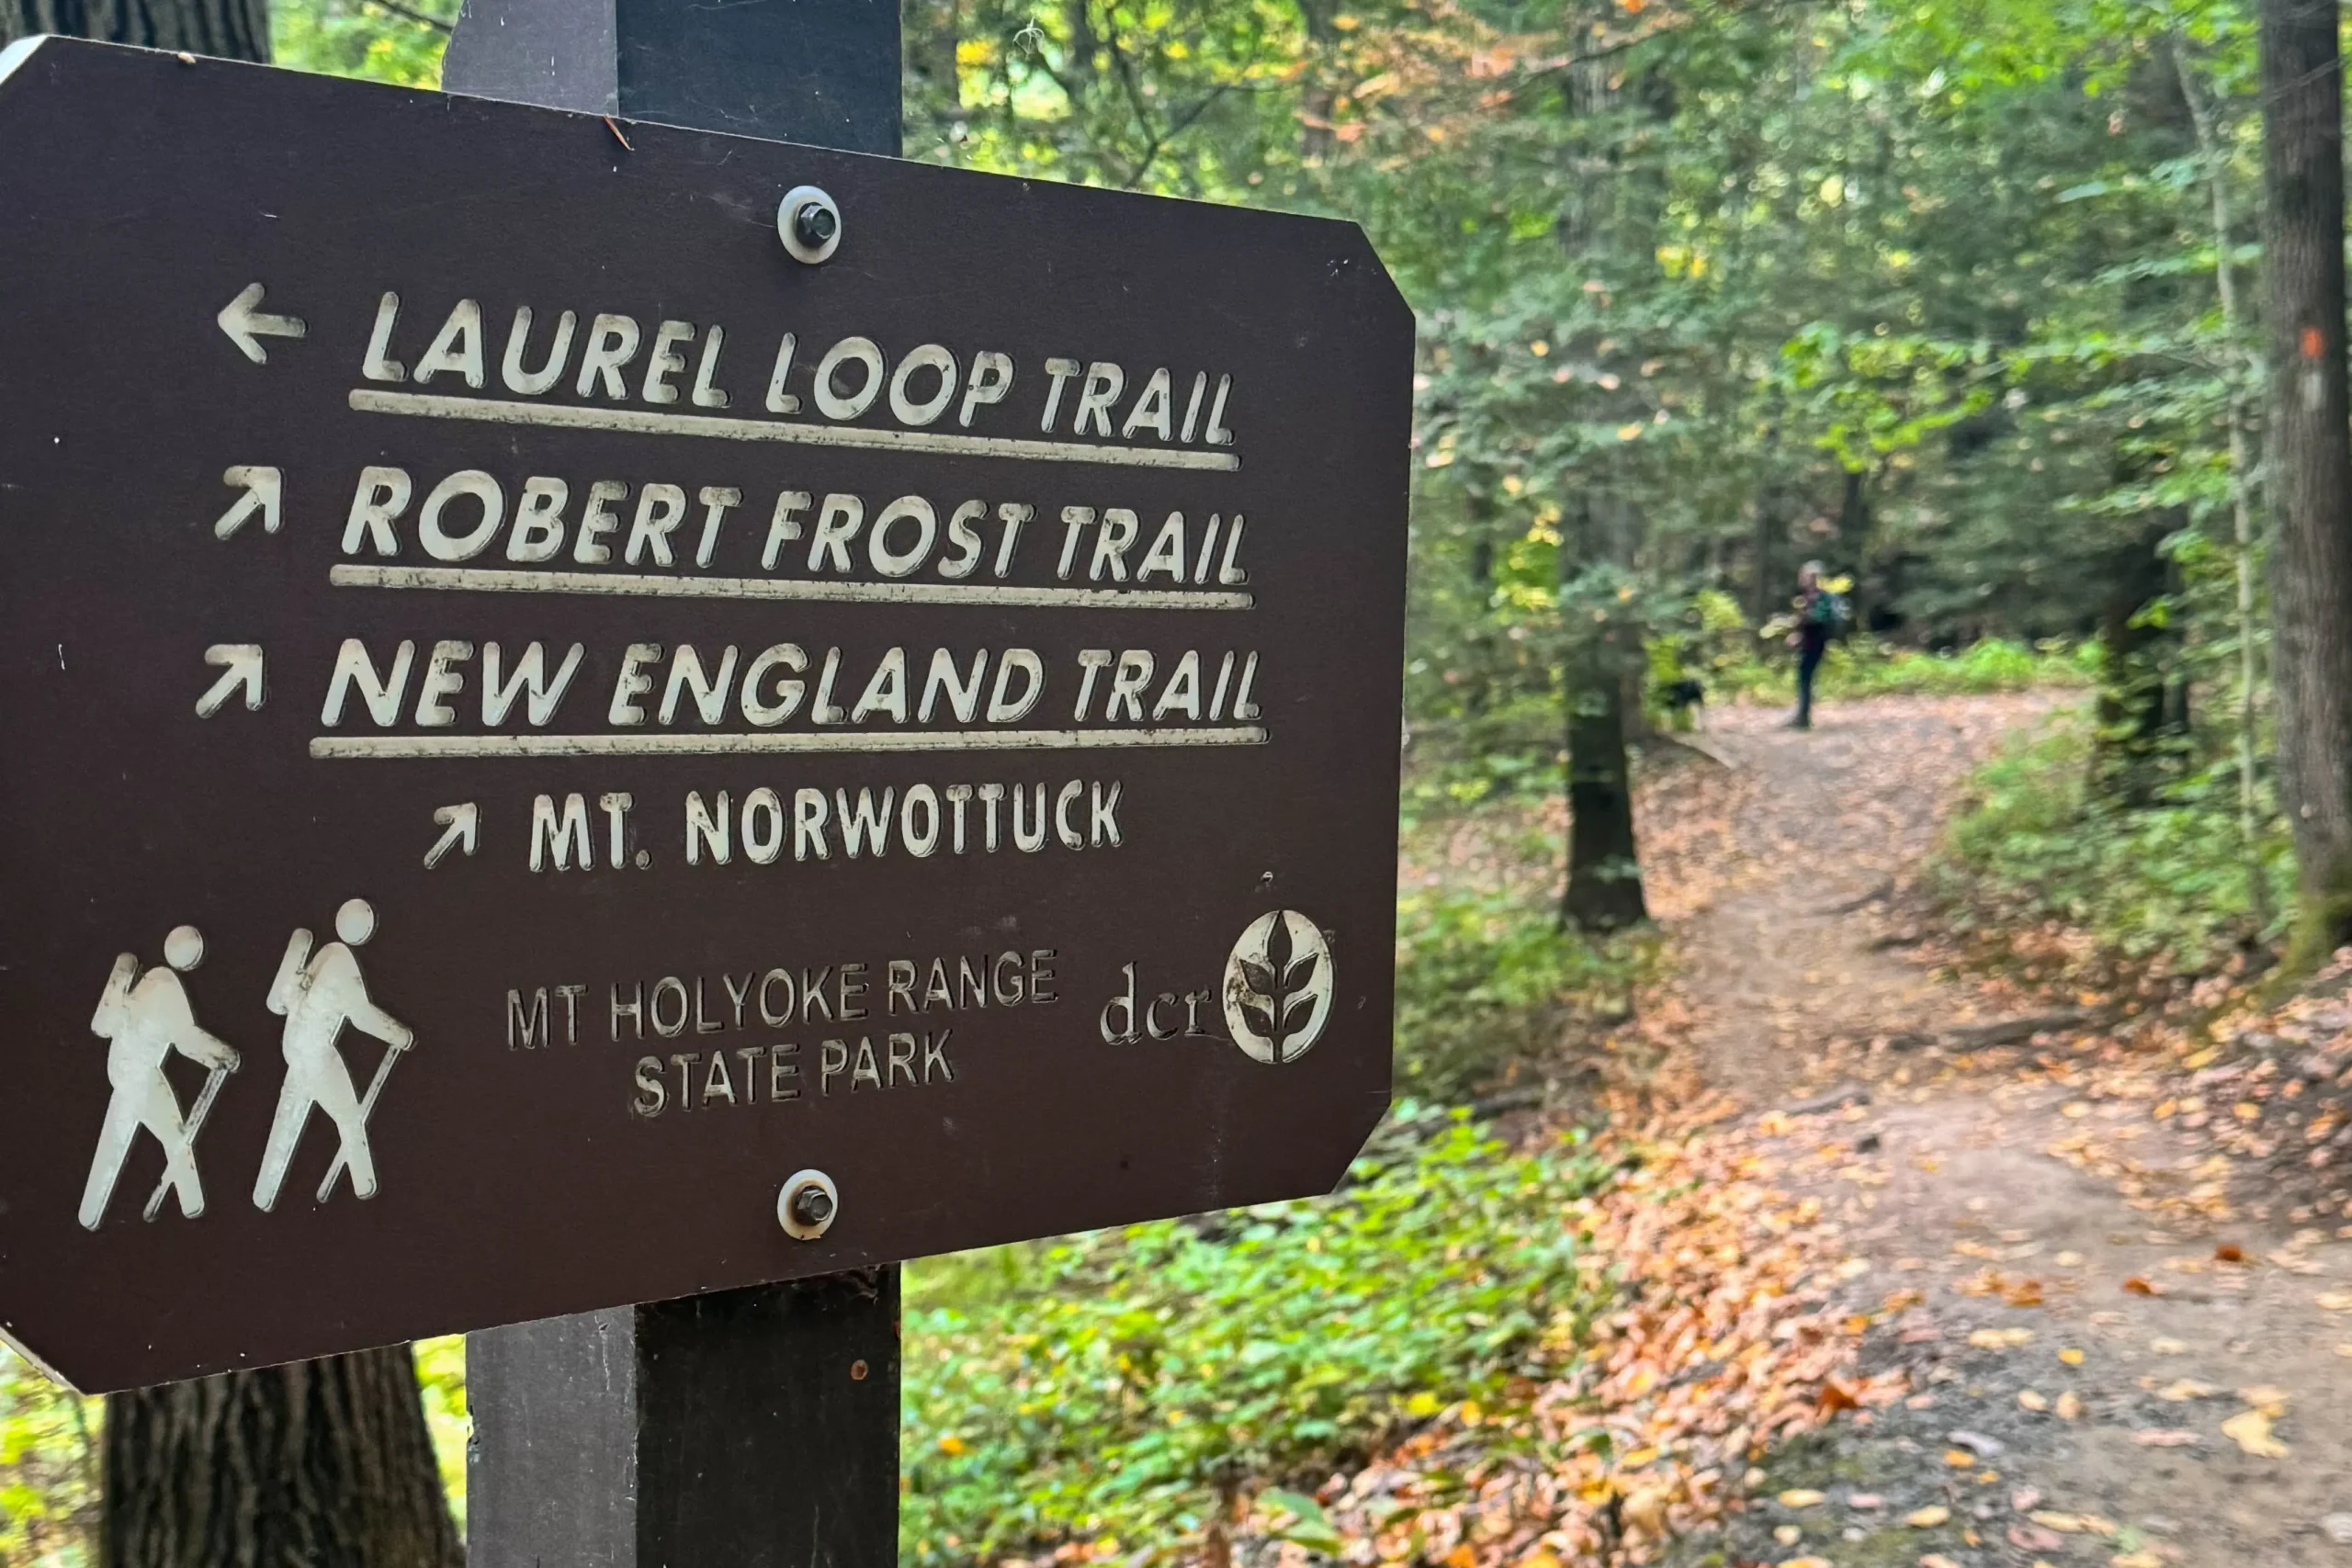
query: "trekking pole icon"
317, 997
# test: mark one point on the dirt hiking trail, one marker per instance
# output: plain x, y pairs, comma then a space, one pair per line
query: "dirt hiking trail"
2055, 1369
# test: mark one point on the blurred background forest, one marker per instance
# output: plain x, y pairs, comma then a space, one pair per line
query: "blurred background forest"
1962, 299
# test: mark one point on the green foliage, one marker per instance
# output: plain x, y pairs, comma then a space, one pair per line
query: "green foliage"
397, 41
1862, 668
49, 1469
441, 1382
1105, 1387
2164, 884
1487, 978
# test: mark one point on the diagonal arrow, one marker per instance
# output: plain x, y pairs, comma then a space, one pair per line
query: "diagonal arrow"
461, 823
242, 665
263, 487
247, 325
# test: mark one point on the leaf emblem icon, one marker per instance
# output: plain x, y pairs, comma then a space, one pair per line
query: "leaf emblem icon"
1278, 987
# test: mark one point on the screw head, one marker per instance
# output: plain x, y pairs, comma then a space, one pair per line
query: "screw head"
817, 224
808, 1205
808, 221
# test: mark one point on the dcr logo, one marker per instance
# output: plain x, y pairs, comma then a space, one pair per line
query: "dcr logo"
1278, 987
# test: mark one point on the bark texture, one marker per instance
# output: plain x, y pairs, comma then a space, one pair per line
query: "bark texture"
1604, 659
2311, 452
320, 1464
230, 29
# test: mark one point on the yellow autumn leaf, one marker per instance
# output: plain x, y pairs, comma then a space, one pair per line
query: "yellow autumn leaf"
1927, 1518
2050, 1520
2135, 1560
2269, 1398
2072, 1358
2250, 1429
2069, 1407
1629, 432
2032, 1400
951, 1444
1802, 1497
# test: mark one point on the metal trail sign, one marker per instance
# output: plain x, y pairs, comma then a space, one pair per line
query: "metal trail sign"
600, 711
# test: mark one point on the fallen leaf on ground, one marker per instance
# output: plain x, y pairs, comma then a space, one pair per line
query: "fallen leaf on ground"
2269, 1398
2250, 1429
2139, 1287
2069, 1407
2072, 1358
2163, 1347
1802, 1497
2136, 1559
2032, 1400
2165, 1438
2184, 1389
1936, 1559
1927, 1518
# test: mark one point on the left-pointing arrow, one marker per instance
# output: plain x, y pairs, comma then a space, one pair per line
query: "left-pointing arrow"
240, 665
248, 323
263, 487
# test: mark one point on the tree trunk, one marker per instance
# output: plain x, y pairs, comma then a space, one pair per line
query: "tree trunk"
1604, 645
322, 1463
2211, 153
2135, 709
1604, 868
1854, 540
2310, 454
230, 29
1769, 593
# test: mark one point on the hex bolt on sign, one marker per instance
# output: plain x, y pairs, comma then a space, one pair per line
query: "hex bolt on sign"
810, 223
807, 1205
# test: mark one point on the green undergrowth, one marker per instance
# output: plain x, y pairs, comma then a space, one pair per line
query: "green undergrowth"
1488, 980
1104, 1389
2163, 884
49, 1469
1860, 668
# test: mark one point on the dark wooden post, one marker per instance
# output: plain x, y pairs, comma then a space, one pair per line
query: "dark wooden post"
757, 1428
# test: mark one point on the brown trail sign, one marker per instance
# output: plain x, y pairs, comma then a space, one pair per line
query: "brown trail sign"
547, 697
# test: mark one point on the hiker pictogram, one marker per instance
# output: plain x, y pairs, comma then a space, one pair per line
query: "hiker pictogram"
143, 1018
317, 997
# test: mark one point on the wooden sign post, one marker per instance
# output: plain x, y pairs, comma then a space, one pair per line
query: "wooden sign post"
755, 1427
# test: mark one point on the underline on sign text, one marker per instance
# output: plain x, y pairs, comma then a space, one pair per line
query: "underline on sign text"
644, 586
641, 421
797, 741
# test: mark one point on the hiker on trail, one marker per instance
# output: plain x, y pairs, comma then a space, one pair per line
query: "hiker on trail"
318, 997
1819, 614
143, 1018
